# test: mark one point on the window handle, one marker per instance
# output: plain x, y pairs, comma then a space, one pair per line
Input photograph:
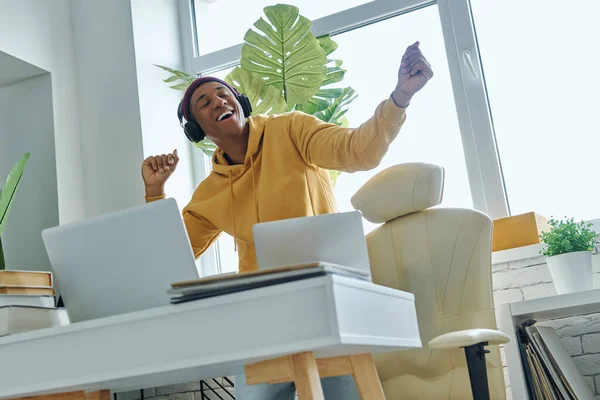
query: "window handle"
468, 62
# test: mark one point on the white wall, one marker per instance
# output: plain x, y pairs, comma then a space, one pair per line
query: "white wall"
35, 206
109, 113
88, 48
156, 37
14, 70
39, 32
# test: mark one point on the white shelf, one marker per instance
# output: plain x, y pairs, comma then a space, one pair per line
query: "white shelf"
511, 315
560, 306
518, 253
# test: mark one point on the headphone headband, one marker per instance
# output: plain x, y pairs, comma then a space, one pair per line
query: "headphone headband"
191, 128
187, 97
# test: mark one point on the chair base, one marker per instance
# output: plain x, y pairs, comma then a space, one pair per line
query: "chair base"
477, 370
305, 371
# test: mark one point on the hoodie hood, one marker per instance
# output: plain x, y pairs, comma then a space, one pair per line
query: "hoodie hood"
256, 131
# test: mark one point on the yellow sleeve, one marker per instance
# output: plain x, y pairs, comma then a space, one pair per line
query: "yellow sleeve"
331, 146
202, 232
150, 199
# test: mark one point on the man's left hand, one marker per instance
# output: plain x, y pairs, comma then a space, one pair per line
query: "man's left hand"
414, 73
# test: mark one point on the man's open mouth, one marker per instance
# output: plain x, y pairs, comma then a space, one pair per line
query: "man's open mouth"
225, 115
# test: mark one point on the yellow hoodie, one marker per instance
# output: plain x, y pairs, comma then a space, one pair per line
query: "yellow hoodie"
284, 175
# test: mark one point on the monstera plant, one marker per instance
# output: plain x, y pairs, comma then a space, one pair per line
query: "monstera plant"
7, 194
284, 67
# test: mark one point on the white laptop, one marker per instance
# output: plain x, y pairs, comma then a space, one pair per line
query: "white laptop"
335, 242
120, 262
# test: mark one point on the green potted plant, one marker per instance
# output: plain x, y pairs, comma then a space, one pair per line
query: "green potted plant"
284, 67
569, 246
7, 194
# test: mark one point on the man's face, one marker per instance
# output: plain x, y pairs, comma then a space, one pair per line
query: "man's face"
217, 111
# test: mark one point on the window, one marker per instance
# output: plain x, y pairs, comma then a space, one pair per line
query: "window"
225, 22
540, 64
357, 49
448, 123
431, 132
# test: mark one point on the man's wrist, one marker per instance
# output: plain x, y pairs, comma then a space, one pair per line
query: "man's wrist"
155, 190
400, 98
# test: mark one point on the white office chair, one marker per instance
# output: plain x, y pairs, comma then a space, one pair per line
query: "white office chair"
443, 256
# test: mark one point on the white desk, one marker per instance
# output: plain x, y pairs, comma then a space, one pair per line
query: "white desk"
328, 315
511, 315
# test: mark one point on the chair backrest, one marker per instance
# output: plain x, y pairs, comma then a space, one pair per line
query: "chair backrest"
443, 257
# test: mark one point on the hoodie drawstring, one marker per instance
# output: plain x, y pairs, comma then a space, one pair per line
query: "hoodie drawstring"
231, 201
254, 189
232, 212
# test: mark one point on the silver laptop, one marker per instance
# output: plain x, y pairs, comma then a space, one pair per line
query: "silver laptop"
120, 262
331, 240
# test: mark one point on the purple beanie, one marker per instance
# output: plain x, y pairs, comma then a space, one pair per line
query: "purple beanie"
193, 86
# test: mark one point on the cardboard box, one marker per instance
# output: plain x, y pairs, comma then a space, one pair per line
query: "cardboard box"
518, 230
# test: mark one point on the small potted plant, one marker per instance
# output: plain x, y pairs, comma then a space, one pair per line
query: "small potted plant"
569, 246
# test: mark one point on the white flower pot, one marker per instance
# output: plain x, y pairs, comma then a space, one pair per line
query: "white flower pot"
571, 272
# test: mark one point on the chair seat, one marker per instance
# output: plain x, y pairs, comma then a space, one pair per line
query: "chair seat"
467, 338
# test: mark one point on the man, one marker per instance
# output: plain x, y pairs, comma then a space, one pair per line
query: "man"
275, 167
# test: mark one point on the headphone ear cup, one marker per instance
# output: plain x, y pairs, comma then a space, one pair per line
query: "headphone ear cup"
193, 131
245, 103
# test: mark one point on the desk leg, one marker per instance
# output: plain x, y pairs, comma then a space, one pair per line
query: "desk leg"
299, 368
361, 367
366, 377
306, 377
305, 372
98, 395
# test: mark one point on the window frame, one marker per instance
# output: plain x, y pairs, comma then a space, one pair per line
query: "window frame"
470, 94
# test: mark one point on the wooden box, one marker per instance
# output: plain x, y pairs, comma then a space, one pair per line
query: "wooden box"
518, 230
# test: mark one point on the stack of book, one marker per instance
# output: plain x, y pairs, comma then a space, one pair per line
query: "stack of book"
219, 285
549, 370
28, 302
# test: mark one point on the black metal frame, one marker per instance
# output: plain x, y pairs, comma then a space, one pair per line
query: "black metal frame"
203, 383
477, 370
204, 387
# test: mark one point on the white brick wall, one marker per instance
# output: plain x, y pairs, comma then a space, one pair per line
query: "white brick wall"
530, 279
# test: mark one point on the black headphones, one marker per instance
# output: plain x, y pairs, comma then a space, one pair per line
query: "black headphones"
192, 129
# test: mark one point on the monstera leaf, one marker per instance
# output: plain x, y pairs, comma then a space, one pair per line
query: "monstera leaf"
264, 99
207, 146
284, 67
183, 79
324, 96
286, 55
7, 193
333, 175
335, 112
334, 72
